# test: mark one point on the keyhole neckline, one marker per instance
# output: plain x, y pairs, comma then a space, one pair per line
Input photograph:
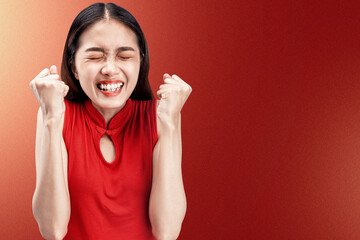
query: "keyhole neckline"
116, 123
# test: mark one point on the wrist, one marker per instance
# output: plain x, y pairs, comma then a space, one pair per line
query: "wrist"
53, 113
170, 122
52, 119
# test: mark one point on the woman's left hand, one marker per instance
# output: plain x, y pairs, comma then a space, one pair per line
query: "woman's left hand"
173, 95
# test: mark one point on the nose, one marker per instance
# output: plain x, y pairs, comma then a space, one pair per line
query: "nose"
110, 68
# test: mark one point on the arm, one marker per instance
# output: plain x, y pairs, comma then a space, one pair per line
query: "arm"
51, 201
167, 200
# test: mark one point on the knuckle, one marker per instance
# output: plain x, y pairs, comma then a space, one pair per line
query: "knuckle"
47, 84
40, 85
37, 82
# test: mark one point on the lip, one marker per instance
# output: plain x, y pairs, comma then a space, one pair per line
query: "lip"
109, 94
109, 81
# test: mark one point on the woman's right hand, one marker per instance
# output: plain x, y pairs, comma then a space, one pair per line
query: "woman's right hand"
50, 91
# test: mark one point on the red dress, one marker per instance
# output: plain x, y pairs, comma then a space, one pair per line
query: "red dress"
110, 200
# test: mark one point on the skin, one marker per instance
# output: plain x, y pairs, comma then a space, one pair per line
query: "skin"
51, 200
99, 58
113, 55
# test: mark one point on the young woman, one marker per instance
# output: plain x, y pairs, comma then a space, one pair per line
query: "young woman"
108, 155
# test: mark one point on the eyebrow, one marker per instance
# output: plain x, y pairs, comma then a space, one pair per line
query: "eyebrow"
120, 49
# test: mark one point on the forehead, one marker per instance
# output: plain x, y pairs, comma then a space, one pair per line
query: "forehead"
108, 34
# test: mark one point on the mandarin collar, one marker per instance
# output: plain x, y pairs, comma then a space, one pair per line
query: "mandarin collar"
116, 124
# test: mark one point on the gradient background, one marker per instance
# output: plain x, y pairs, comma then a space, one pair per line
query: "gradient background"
271, 132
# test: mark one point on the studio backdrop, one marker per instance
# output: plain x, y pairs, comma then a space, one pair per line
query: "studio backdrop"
271, 131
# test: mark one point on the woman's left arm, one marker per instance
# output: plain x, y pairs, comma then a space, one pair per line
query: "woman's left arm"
167, 205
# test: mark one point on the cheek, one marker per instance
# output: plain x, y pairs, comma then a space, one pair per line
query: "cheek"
133, 72
86, 76
86, 72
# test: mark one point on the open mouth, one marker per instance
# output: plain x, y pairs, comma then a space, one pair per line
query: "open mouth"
110, 87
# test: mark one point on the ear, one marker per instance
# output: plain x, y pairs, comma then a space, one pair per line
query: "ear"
142, 55
73, 69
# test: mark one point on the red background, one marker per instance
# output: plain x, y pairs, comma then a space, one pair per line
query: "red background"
271, 132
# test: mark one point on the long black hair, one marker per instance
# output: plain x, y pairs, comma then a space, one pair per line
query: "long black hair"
87, 17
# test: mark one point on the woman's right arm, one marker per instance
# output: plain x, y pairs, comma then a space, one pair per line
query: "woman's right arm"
51, 200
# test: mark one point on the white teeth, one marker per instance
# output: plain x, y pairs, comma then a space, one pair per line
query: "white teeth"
110, 87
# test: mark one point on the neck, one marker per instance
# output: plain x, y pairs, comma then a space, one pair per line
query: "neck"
107, 113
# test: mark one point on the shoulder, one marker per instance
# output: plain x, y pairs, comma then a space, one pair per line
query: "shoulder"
72, 111
145, 105
72, 107
145, 112
145, 109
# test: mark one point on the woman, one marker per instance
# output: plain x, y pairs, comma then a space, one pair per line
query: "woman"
108, 157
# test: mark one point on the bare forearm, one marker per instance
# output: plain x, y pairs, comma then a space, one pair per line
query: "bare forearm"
51, 202
168, 201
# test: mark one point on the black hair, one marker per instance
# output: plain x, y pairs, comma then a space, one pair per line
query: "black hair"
83, 20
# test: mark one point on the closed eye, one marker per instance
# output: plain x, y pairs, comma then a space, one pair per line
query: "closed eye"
94, 58
124, 58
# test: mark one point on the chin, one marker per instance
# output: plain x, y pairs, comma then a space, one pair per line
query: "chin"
110, 103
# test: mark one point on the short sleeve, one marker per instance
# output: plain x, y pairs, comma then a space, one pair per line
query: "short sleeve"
153, 121
68, 120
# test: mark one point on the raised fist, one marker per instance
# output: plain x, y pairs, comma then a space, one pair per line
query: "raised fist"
50, 91
173, 95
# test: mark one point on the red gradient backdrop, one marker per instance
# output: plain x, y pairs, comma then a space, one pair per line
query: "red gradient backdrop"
271, 132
